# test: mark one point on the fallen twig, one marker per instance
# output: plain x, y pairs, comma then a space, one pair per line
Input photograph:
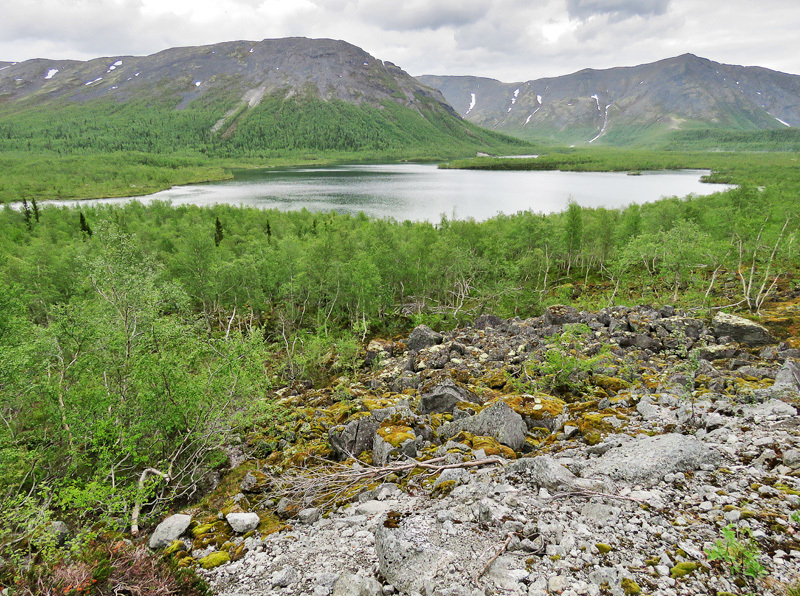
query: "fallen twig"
499, 552
591, 493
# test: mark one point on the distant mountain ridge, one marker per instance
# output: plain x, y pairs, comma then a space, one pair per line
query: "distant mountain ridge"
290, 93
628, 104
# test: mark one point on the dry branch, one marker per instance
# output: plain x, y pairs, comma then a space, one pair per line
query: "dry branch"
329, 482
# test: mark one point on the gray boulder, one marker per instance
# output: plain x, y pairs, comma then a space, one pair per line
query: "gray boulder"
544, 472
242, 523
355, 585
788, 377
409, 555
383, 451
498, 421
444, 397
558, 314
353, 438
423, 337
648, 459
742, 330
168, 530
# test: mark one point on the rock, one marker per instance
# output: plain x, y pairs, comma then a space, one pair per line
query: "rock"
354, 585
308, 516
423, 337
444, 397
61, 532
283, 578
791, 458
254, 481
788, 377
392, 442
353, 438
408, 556
498, 421
242, 523
648, 459
558, 314
544, 472
168, 530
742, 330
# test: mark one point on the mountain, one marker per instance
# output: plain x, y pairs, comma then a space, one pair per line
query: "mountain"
233, 98
629, 105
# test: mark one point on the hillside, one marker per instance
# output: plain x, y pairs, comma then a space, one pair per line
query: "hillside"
237, 98
629, 105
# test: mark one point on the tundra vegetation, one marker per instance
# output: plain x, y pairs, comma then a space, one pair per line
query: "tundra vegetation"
136, 341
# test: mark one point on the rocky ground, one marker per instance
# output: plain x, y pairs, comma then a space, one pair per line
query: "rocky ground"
628, 451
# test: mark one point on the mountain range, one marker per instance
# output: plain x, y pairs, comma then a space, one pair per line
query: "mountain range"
257, 98
629, 104
240, 97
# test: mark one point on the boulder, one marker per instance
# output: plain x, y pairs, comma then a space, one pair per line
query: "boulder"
558, 314
408, 552
742, 330
242, 523
498, 421
647, 460
355, 585
393, 442
544, 472
423, 337
168, 530
444, 397
788, 377
353, 438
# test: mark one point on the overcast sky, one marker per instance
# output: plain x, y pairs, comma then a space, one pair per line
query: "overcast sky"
510, 40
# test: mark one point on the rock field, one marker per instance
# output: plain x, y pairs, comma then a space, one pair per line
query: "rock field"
628, 451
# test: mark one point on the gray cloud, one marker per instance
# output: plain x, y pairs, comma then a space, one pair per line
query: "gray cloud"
616, 10
415, 15
510, 40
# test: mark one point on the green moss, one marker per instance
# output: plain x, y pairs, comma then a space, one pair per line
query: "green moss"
174, 547
443, 488
202, 529
214, 560
630, 587
604, 548
682, 570
396, 434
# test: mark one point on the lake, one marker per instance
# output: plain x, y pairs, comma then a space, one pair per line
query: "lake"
420, 192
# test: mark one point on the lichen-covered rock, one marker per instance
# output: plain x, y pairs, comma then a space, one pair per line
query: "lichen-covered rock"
393, 441
741, 329
353, 438
423, 337
170, 529
444, 397
558, 314
242, 523
498, 421
647, 460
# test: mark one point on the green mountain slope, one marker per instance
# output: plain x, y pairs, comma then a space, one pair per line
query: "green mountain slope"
236, 99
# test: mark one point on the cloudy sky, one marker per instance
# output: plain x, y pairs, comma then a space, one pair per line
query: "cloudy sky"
511, 40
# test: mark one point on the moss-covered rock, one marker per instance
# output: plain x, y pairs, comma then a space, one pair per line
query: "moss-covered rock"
682, 569
630, 587
604, 548
614, 384
215, 559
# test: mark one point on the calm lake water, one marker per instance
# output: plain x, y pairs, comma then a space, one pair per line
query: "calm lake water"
423, 192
